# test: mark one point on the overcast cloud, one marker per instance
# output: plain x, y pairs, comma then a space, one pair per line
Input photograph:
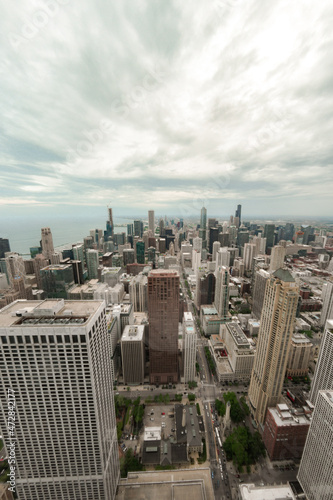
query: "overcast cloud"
167, 105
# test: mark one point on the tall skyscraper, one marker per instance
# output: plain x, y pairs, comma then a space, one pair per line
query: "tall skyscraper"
92, 263
151, 221
203, 227
163, 310
213, 236
14, 267
316, 468
277, 257
323, 377
238, 213
47, 243
109, 225
138, 228
269, 235
276, 328
221, 299
55, 358
190, 347
4, 247
327, 310
250, 251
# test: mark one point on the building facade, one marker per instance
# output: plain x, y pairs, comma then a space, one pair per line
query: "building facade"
133, 354
190, 347
163, 310
316, 468
276, 328
56, 360
323, 376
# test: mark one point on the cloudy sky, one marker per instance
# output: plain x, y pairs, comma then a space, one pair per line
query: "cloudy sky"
166, 105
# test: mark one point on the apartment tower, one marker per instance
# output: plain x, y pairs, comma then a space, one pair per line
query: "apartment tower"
274, 338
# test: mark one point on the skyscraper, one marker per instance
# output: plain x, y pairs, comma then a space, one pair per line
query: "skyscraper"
55, 357
238, 213
47, 243
151, 221
138, 228
163, 310
277, 257
327, 310
14, 267
276, 328
190, 347
203, 227
92, 263
269, 235
4, 247
221, 299
323, 377
316, 469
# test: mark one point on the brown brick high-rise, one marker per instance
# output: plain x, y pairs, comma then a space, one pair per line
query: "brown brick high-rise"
163, 309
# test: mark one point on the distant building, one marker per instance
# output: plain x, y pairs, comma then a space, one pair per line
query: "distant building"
221, 299
57, 280
4, 247
47, 243
92, 257
277, 258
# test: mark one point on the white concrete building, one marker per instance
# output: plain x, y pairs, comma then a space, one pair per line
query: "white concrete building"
277, 258
316, 469
190, 347
323, 376
55, 358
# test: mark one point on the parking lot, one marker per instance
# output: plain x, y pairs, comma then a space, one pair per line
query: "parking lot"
159, 416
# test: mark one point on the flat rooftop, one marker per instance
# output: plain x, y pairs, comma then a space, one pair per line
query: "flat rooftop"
238, 335
285, 418
133, 333
19, 312
252, 492
183, 484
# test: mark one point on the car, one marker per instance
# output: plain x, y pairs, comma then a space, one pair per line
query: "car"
163, 413
173, 430
163, 424
220, 461
152, 419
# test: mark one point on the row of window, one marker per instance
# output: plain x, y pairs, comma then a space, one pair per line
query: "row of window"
44, 339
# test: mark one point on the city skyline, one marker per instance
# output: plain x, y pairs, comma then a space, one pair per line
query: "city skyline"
194, 106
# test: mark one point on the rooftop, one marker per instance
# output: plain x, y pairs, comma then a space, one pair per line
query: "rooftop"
133, 332
21, 311
252, 492
284, 275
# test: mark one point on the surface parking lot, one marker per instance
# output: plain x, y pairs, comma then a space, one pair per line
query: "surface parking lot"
159, 416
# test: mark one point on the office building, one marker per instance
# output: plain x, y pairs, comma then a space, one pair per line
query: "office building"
14, 267
299, 356
138, 292
163, 309
189, 347
39, 262
216, 247
222, 258
4, 247
240, 353
128, 256
285, 432
269, 235
213, 236
140, 252
203, 227
323, 376
277, 258
250, 252
238, 213
276, 328
92, 257
197, 244
221, 299
47, 243
57, 280
138, 228
316, 468
133, 354
205, 288
151, 221
109, 224
56, 357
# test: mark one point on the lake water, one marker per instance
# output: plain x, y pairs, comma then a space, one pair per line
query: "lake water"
24, 233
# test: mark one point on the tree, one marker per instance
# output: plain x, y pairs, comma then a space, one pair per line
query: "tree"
191, 397
129, 463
